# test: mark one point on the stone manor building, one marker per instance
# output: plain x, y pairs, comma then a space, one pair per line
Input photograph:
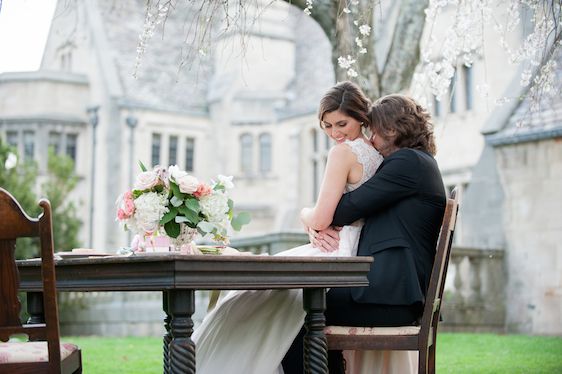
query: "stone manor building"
249, 110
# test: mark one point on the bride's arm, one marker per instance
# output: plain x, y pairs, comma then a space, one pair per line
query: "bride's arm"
339, 163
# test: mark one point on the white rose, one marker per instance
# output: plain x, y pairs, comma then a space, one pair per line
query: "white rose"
176, 173
11, 161
226, 181
214, 206
188, 184
146, 180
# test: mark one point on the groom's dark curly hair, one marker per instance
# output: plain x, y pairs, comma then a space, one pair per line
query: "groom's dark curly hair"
348, 98
408, 122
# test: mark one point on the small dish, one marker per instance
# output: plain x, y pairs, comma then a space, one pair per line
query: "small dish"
82, 254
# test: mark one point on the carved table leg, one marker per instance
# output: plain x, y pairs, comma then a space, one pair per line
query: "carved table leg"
35, 308
315, 344
181, 305
168, 334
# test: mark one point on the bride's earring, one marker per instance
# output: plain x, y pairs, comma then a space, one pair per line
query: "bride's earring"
367, 132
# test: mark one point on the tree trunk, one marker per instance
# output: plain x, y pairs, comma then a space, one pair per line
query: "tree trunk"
402, 57
404, 53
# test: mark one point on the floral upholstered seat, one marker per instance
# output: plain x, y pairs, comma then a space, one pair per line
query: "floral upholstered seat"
346, 330
15, 352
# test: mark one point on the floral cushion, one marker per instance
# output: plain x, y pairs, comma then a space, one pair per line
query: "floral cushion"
30, 352
345, 330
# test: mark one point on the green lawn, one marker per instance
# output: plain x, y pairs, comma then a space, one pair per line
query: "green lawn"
456, 353
488, 353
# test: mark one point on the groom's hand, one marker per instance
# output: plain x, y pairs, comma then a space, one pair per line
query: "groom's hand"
326, 240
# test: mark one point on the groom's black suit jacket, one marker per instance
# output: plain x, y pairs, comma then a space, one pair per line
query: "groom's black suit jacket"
403, 206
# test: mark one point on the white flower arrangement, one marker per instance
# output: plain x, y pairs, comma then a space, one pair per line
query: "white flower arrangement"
171, 201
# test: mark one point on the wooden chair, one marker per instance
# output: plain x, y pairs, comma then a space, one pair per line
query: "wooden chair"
43, 353
420, 338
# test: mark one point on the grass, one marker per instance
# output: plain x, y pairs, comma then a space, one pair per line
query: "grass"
489, 353
456, 353
119, 355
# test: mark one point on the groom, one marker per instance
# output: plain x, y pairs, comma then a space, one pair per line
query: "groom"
403, 206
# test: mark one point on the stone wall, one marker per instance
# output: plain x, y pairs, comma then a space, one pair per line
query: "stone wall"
531, 175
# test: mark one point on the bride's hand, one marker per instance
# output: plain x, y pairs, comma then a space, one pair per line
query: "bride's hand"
326, 240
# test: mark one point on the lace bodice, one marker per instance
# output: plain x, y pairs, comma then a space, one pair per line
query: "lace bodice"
368, 157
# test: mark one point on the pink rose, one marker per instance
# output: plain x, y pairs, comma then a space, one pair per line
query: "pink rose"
187, 184
202, 190
146, 180
128, 207
121, 216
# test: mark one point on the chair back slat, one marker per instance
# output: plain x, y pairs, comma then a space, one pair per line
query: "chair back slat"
49, 281
9, 286
434, 295
15, 223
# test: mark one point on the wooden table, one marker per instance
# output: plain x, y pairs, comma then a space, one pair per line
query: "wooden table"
178, 276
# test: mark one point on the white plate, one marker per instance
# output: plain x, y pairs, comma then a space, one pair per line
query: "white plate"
82, 254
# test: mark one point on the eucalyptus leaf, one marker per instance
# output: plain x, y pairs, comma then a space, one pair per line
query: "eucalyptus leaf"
241, 219
181, 219
175, 201
193, 204
206, 226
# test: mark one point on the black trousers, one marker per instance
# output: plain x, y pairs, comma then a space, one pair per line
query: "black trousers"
341, 310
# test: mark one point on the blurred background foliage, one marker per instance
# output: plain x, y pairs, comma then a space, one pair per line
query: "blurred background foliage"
27, 184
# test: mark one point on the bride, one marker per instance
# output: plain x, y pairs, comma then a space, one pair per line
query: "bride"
250, 331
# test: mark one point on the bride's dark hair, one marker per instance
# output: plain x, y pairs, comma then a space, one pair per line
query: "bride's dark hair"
348, 98
400, 116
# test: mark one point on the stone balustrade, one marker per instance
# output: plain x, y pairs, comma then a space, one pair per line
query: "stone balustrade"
474, 297
473, 301
270, 243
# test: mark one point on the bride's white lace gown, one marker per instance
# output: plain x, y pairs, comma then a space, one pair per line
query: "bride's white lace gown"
249, 332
